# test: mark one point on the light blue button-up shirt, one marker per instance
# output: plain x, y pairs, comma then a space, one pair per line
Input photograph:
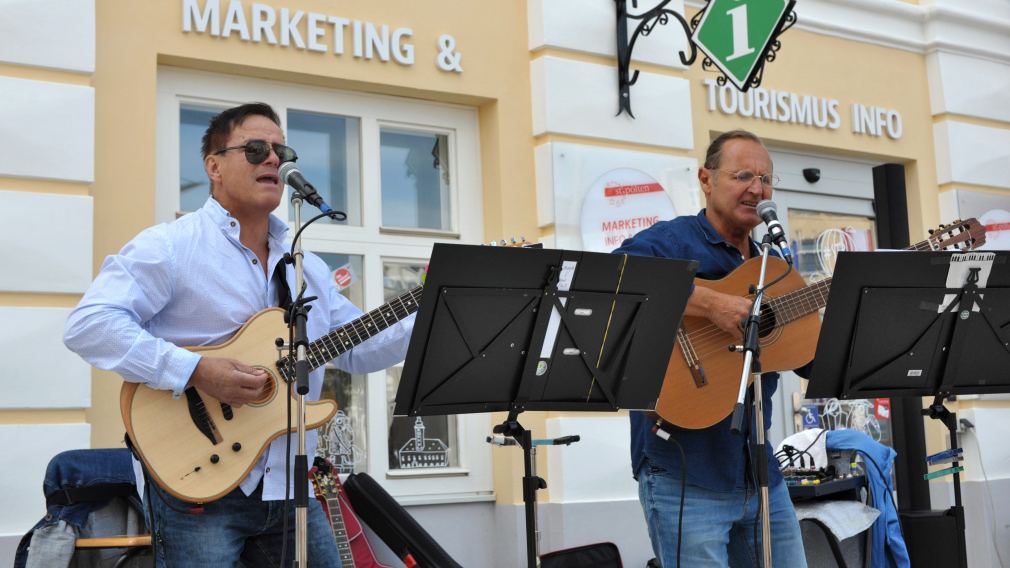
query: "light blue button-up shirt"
192, 282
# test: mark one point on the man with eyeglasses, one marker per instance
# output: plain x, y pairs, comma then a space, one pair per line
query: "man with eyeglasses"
713, 479
196, 281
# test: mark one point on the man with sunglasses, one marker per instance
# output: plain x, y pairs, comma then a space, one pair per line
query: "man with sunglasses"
713, 479
196, 281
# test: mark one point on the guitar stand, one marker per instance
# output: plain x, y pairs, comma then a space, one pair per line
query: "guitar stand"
531, 481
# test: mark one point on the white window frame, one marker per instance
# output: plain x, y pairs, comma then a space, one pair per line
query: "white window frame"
473, 480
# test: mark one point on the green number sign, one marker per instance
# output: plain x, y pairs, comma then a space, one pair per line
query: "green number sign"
734, 34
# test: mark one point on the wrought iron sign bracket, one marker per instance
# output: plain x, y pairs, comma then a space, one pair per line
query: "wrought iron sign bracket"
660, 15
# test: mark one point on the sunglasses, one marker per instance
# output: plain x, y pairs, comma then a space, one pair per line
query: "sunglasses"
257, 151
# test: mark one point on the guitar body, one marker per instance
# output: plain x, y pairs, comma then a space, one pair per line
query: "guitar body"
689, 401
179, 456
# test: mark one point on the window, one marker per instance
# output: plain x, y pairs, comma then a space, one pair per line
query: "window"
398, 168
428, 442
194, 187
415, 180
328, 149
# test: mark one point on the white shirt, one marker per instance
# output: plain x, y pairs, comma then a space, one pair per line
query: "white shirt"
192, 282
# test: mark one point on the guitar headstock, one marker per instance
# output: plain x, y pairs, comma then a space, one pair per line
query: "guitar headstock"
514, 242
327, 485
957, 236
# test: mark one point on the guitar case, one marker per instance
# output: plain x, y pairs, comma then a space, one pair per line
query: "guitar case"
391, 522
599, 555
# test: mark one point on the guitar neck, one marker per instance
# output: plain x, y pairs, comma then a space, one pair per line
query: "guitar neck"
798, 303
349, 335
340, 533
793, 305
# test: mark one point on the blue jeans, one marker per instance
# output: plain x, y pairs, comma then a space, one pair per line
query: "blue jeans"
235, 527
718, 528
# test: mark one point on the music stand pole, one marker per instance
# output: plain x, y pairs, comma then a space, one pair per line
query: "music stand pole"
301, 472
751, 349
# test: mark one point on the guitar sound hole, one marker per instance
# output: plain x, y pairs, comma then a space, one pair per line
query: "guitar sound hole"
767, 323
269, 391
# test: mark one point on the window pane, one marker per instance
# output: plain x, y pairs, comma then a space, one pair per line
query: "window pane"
818, 237
398, 277
194, 187
415, 180
347, 273
419, 442
328, 150
344, 440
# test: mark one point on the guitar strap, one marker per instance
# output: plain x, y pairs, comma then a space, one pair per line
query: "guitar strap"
283, 290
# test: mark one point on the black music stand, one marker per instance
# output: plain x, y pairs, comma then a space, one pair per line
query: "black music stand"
520, 329
917, 324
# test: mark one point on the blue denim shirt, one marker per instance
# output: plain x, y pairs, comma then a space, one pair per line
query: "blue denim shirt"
717, 459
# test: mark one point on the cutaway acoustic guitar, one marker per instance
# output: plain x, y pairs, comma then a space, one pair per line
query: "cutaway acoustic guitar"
703, 376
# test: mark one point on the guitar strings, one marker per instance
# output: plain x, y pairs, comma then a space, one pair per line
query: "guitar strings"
788, 307
340, 340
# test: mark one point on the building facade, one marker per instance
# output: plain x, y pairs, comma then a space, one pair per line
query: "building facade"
468, 122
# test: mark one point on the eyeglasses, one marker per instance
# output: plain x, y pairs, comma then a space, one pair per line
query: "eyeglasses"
257, 151
746, 177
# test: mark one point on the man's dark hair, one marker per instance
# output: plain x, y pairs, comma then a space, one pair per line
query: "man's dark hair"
714, 153
222, 125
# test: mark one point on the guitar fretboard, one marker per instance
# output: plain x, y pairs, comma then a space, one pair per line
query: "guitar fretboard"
793, 305
342, 339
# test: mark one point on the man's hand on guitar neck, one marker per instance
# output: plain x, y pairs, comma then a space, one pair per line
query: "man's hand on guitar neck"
727, 312
230, 381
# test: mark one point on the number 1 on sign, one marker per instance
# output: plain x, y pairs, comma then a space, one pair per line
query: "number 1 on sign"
741, 43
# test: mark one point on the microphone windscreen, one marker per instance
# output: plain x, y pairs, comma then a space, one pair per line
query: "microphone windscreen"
767, 206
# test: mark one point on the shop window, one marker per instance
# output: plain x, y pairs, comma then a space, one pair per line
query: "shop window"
328, 155
415, 180
194, 187
344, 440
818, 237
414, 442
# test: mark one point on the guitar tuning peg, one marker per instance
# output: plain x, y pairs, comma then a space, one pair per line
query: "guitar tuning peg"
942, 226
931, 231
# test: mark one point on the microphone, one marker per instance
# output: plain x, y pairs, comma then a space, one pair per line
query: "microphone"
766, 209
290, 175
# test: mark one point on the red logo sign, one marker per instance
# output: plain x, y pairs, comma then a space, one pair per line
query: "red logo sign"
636, 189
342, 276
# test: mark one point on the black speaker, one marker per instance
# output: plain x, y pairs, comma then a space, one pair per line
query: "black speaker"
393, 524
931, 538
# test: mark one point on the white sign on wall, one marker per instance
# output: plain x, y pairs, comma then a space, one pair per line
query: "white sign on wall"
818, 112
619, 204
600, 196
311, 31
992, 210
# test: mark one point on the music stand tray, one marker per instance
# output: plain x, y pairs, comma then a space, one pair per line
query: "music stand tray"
539, 329
917, 324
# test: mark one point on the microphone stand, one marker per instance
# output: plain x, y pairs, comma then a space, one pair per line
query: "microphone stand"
300, 345
751, 349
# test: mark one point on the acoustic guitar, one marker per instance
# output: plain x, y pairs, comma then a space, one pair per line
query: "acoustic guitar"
352, 544
198, 448
703, 377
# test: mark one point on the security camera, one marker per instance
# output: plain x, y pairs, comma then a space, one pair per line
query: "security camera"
812, 174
